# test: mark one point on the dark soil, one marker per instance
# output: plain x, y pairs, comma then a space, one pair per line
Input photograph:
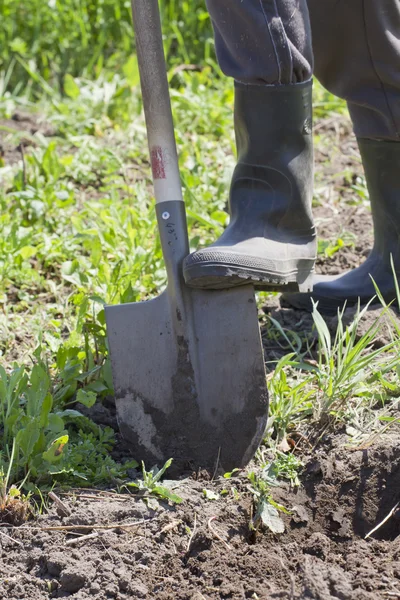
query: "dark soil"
18, 133
177, 553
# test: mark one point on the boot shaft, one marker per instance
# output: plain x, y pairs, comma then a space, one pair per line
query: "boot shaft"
272, 182
381, 161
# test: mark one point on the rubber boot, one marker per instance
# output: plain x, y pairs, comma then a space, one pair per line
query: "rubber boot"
381, 160
270, 241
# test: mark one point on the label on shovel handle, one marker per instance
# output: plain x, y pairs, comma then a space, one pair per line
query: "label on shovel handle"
158, 163
166, 178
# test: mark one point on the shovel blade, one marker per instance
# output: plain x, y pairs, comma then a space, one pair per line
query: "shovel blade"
190, 387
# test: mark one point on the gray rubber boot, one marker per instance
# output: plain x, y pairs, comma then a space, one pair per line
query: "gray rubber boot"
381, 160
271, 239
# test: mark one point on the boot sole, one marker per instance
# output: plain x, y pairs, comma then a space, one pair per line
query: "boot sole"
209, 275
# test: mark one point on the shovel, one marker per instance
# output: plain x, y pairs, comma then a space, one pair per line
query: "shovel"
188, 366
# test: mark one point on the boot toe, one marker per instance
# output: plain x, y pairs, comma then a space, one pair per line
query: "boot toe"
218, 267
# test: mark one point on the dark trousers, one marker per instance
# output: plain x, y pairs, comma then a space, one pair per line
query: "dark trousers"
353, 46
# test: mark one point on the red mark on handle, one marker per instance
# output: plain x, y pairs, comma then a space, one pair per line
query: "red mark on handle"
157, 163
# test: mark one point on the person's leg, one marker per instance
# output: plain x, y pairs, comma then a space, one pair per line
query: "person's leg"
265, 45
263, 41
357, 57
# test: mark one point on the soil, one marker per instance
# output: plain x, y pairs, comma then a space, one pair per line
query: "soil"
18, 133
204, 549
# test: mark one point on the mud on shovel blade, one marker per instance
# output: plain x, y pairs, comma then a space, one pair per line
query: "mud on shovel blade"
188, 366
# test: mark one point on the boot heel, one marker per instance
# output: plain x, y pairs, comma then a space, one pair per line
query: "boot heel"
305, 285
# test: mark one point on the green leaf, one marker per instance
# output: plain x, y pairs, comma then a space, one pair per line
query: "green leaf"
133, 484
269, 516
389, 419
131, 71
83, 308
50, 163
70, 272
56, 423
27, 437
39, 447
69, 413
98, 299
210, 495
54, 453
27, 252
220, 216
165, 493
54, 470
70, 87
161, 472
18, 45
97, 386
96, 251
45, 411
129, 295
86, 398
229, 474
14, 492
53, 341
38, 391
279, 507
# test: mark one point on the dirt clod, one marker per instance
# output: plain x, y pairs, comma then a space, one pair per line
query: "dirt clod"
71, 581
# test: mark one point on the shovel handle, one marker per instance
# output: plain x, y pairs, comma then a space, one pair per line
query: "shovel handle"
156, 100
170, 207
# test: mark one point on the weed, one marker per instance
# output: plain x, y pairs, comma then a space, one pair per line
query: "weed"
330, 248
344, 382
291, 396
266, 510
42, 438
150, 484
286, 466
346, 362
15, 508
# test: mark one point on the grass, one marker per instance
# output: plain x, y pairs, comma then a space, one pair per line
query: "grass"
78, 230
343, 383
46, 42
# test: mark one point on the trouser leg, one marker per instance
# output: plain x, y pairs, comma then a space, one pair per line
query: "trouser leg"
263, 41
357, 57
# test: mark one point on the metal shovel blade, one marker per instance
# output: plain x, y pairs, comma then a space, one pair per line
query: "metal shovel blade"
190, 386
